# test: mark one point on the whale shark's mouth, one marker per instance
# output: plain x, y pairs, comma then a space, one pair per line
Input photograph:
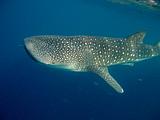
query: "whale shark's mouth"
28, 48
29, 54
34, 53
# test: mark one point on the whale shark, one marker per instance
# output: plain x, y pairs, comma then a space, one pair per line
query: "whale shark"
152, 4
90, 53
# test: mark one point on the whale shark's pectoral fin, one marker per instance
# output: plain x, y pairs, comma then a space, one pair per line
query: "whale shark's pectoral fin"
103, 72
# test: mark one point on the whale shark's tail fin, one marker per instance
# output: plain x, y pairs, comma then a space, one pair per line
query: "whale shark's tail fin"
159, 44
158, 47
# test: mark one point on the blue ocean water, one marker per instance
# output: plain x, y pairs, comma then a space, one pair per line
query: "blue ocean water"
32, 91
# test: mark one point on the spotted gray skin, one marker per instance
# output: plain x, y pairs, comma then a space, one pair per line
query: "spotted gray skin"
90, 53
153, 4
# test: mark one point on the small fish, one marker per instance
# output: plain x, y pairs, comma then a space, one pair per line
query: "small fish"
153, 4
90, 53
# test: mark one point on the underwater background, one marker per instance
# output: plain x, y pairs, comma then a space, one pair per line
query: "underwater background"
33, 91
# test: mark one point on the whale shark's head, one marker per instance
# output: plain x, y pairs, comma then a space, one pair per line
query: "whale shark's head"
38, 49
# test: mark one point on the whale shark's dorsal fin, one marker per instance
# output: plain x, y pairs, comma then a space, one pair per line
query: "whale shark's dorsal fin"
137, 37
104, 73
